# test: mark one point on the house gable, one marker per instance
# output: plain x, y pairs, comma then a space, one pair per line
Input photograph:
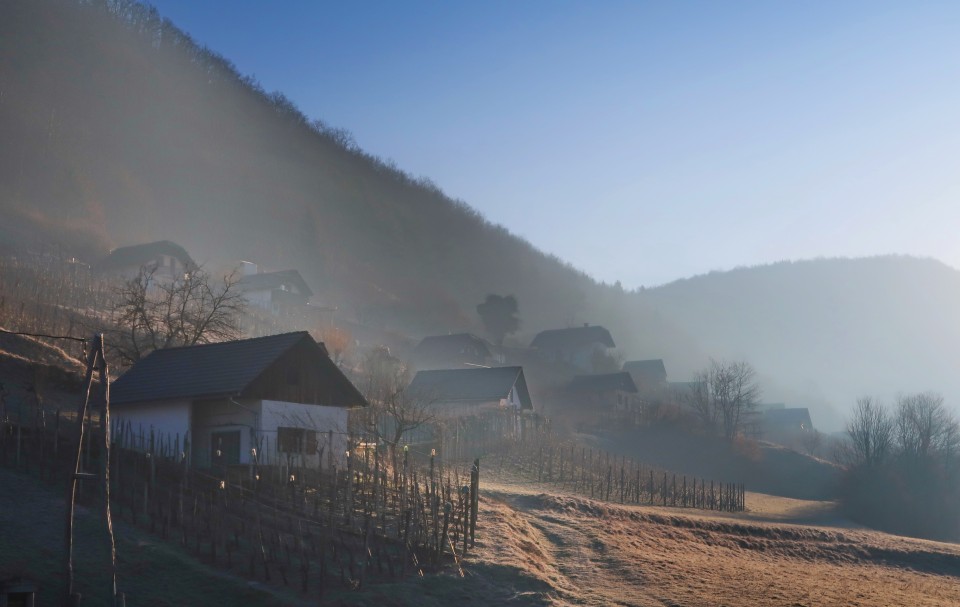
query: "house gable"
647, 373
305, 374
260, 368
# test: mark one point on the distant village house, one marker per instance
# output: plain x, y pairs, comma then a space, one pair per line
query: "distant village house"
576, 346
648, 375
452, 351
472, 406
166, 260
281, 292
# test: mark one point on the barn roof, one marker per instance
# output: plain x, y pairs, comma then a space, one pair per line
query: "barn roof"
478, 384
647, 371
603, 382
140, 254
275, 280
218, 370
573, 337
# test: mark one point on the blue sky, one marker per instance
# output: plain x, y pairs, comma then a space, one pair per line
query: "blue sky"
640, 141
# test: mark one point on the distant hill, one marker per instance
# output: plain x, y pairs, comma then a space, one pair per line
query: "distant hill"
117, 128
829, 330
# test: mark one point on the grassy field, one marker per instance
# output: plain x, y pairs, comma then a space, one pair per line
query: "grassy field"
568, 550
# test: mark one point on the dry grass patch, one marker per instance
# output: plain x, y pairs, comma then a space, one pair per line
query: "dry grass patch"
594, 553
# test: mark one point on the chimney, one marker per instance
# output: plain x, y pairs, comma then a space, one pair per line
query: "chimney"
585, 325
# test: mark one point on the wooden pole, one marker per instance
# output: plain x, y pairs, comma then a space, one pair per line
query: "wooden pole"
104, 374
72, 483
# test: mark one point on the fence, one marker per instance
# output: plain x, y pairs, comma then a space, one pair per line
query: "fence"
547, 458
313, 529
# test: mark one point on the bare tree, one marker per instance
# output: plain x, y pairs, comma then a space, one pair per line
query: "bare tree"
337, 342
924, 427
871, 432
394, 412
724, 395
152, 313
700, 401
812, 441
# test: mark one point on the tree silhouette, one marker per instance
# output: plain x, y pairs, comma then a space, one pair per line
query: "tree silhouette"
498, 314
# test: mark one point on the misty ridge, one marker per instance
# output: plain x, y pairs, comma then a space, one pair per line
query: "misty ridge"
118, 128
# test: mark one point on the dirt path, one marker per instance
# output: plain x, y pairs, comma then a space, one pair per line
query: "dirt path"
565, 550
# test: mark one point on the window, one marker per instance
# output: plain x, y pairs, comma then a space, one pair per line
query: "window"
296, 440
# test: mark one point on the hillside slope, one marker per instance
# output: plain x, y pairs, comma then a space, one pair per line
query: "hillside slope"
830, 329
118, 128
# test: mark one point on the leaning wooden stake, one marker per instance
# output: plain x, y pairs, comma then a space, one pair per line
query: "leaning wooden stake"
95, 360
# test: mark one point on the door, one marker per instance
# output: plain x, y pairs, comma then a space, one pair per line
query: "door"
225, 448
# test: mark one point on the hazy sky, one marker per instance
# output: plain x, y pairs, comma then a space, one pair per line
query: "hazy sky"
640, 141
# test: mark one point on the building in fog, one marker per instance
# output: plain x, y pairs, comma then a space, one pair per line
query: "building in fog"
576, 346
452, 351
648, 375
282, 292
166, 260
279, 395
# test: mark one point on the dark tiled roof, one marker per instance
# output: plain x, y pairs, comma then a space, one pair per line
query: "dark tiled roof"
139, 254
452, 346
209, 370
478, 384
275, 280
647, 371
572, 338
603, 382
794, 417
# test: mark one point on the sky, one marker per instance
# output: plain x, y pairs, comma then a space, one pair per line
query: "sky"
640, 141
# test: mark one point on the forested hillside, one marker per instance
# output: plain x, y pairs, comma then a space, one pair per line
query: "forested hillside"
117, 128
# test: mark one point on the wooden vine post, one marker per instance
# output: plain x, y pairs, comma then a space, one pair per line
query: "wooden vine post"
95, 361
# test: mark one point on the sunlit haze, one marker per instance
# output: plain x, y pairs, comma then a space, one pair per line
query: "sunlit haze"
641, 142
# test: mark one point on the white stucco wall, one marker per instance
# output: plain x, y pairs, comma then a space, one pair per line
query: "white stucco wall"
261, 298
276, 414
225, 415
168, 419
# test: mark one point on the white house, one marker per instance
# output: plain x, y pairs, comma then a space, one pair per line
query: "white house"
477, 405
267, 399
279, 292
167, 260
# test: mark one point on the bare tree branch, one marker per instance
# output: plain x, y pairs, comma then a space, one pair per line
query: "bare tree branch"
151, 313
